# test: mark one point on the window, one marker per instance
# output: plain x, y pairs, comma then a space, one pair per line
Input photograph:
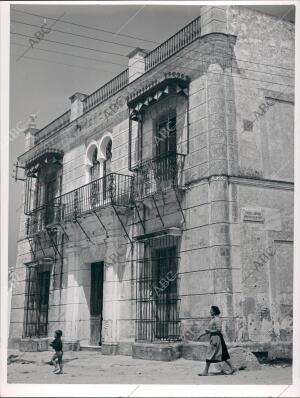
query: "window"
94, 177
157, 291
165, 135
95, 168
52, 188
107, 169
42, 187
36, 302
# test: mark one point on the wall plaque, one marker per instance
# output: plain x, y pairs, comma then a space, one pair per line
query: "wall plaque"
253, 215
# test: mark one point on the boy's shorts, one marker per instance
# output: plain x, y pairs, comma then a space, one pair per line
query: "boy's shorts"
58, 355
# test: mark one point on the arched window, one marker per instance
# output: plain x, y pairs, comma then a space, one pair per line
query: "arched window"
95, 168
108, 156
107, 168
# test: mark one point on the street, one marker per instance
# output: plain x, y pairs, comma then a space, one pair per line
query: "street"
84, 367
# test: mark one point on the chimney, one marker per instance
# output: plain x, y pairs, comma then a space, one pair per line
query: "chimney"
76, 105
213, 19
136, 63
30, 132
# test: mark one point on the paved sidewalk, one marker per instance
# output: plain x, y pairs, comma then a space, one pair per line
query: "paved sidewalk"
85, 367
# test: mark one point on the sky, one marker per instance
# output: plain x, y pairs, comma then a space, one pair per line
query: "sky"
42, 81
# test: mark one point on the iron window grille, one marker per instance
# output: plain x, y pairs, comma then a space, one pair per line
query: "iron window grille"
157, 288
36, 302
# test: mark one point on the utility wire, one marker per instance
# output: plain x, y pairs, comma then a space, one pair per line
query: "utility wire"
161, 67
61, 63
87, 27
75, 34
175, 56
137, 38
26, 51
125, 45
70, 55
73, 45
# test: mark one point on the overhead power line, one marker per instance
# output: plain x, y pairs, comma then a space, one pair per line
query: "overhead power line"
75, 34
70, 55
73, 45
258, 63
175, 56
86, 27
62, 63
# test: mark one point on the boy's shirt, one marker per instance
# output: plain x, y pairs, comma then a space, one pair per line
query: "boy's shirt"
57, 344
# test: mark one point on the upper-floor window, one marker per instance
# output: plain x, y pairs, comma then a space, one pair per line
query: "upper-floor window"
108, 157
95, 168
158, 120
165, 134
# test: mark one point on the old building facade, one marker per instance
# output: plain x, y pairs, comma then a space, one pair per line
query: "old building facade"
166, 191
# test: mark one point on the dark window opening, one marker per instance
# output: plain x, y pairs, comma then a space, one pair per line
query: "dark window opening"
50, 193
107, 169
165, 167
96, 302
165, 135
36, 303
157, 292
94, 177
95, 169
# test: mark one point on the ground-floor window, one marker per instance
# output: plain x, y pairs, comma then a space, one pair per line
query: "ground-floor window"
157, 290
36, 301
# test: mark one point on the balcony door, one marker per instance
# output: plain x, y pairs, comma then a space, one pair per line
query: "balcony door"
52, 188
107, 170
166, 135
96, 303
166, 145
94, 178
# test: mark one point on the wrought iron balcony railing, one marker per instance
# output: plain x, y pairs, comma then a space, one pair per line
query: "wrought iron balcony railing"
158, 174
52, 127
175, 43
106, 91
113, 189
35, 222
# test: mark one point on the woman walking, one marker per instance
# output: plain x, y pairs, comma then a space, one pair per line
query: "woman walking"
217, 351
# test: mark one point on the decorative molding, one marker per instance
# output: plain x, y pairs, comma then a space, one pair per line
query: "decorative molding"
218, 178
264, 183
278, 95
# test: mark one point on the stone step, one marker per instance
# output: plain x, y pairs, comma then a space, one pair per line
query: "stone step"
90, 348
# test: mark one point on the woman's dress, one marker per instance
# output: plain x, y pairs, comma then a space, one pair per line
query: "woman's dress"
217, 350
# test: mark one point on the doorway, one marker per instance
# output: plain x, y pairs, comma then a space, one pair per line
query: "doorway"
96, 303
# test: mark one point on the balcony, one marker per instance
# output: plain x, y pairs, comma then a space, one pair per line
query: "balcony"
52, 127
181, 39
113, 189
158, 175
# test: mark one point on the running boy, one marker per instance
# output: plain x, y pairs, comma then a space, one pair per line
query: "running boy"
57, 346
